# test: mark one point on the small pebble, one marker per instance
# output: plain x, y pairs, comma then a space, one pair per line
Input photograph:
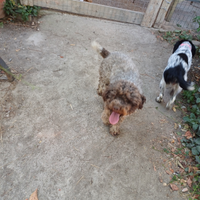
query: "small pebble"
184, 190
10, 59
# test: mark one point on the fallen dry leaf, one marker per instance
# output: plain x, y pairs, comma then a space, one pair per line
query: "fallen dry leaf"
160, 179
175, 125
168, 172
61, 56
196, 196
163, 121
189, 182
188, 135
171, 170
34, 196
17, 50
181, 171
174, 187
183, 182
195, 169
174, 109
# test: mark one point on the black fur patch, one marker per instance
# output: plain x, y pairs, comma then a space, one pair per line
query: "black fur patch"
184, 57
171, 75
104, 53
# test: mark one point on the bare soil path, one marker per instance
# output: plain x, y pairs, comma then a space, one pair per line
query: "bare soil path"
53, 138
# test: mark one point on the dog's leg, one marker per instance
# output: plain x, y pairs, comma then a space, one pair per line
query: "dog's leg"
114, 129
101, 87
105, 115
159, 99
177, 90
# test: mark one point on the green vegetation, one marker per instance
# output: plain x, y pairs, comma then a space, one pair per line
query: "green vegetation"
192, 118
197, 19
14, 9
190, 148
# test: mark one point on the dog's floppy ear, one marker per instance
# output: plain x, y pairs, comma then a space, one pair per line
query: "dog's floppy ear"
109, 93
134, 96
143, 98
177, 45
180, 42
193, 49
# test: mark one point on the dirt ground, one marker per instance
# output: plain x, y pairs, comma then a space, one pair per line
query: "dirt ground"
53, 138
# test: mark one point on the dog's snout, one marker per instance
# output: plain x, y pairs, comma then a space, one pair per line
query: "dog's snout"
116, 108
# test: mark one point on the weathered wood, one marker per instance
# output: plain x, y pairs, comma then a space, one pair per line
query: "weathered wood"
27, 2
162, 12
90, 9
171, 9
151, 13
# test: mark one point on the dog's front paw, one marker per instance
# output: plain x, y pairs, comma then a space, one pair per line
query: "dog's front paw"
159, 99
99, 92
114, 130
169, 106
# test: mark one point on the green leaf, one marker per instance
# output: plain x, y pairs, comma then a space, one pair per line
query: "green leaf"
197, 159
197, 141
177, 31
186, 119
198, 100
195, 126
198, 148
195, 151
192, 115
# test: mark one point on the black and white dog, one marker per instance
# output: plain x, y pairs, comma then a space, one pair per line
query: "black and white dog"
175, 74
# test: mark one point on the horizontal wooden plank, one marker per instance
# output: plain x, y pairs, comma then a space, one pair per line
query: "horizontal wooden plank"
90, 9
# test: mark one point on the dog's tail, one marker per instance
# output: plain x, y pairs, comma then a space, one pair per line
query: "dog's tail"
176, 75
102, 51
184, 84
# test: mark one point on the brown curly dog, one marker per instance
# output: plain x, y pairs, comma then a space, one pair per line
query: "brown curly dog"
119, 85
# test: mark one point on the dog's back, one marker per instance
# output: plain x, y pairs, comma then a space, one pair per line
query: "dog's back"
179, 64
117, 66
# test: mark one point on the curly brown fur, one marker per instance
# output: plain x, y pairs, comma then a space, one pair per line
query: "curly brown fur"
119, 86
123, 97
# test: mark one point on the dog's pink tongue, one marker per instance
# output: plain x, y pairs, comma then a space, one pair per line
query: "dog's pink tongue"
114, 118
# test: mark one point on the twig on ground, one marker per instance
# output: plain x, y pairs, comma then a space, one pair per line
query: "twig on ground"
79, 180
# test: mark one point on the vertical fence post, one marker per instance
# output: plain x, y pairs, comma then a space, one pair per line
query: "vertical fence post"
162, 12
171, 9
151, 13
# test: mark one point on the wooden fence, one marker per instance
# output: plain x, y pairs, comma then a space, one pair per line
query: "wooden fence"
154, 15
